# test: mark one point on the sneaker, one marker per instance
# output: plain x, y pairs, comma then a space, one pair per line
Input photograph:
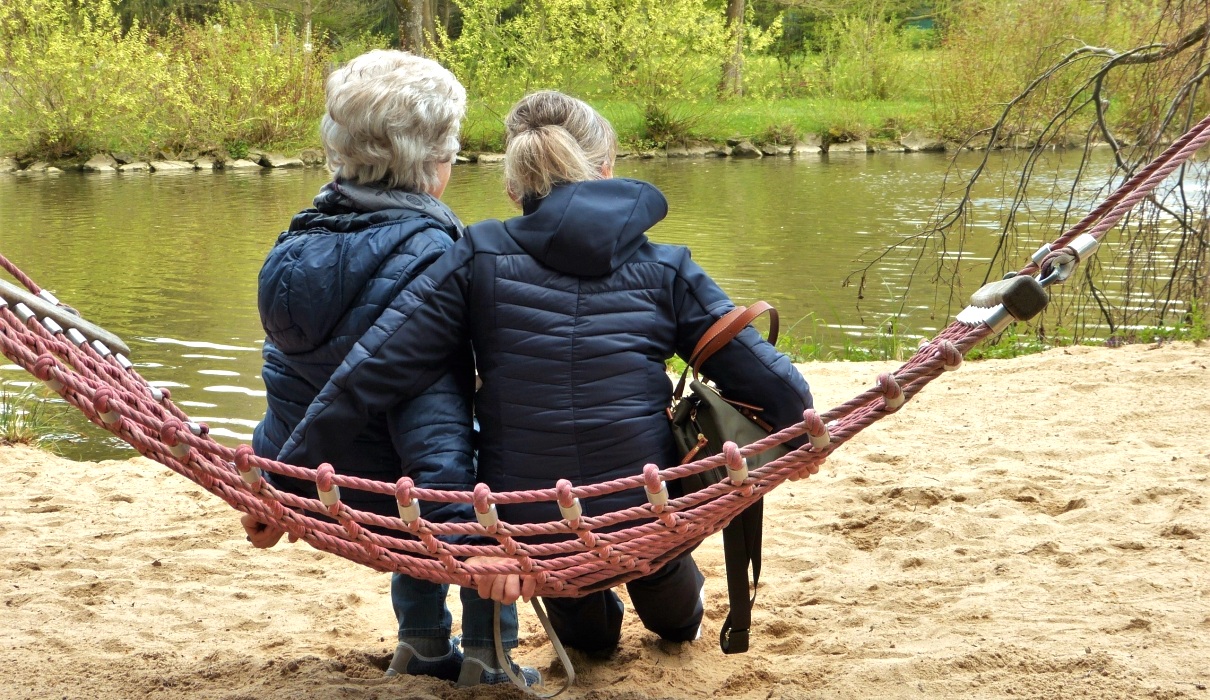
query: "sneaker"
407, 660
475, 672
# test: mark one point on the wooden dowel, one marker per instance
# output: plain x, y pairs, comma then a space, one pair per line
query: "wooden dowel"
44, 309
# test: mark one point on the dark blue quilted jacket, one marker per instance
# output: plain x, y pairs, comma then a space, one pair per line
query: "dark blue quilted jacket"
572, 313
322, 286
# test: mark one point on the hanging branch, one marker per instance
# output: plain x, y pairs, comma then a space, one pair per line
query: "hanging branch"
1163, 265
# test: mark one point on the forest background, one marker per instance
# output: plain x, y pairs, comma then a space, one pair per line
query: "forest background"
223, 76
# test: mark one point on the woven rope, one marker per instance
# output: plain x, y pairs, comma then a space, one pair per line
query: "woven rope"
597, 552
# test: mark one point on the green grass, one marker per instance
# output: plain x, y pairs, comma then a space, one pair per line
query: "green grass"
25, 419
891, 344
715, 121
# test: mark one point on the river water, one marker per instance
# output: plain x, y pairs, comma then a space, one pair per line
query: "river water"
169, 261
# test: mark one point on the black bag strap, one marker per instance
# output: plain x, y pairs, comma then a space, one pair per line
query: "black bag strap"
741, 547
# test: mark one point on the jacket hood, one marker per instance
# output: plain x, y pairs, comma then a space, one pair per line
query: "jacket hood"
591, 228
338, 255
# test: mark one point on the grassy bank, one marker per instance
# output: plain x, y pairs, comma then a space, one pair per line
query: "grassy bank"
761, 120
240, 77
1017, 341
891, 345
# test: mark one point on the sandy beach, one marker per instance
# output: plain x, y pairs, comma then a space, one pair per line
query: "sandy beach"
1027, 528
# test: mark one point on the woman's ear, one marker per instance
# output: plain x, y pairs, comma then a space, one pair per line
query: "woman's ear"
607, 170
512, 195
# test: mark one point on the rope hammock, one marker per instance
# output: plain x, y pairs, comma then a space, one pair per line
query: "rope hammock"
90, 369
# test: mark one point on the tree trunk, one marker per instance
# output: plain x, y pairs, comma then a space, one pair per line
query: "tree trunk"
307, 25
430, 24
412, 15
732, 82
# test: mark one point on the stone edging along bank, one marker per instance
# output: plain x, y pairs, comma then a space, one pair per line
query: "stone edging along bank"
733, 148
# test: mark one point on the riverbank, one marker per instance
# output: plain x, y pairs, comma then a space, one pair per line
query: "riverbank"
996, 538
807, 147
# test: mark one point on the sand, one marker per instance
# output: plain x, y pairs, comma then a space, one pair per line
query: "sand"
1036, 527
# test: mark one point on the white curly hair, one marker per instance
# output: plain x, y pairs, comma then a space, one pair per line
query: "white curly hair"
391, 118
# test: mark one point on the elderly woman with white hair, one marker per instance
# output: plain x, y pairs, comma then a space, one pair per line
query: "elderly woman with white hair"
390, 134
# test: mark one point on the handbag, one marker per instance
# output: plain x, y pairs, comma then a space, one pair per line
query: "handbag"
703, 419
701, 422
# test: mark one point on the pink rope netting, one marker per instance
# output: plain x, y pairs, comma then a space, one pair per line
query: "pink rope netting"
596, 552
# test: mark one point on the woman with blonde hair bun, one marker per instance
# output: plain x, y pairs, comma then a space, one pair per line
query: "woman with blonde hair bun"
572, 313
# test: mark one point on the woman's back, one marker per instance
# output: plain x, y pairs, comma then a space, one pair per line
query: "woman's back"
574, 314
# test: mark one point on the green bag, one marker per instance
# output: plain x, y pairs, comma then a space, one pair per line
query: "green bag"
703, 420
701, 423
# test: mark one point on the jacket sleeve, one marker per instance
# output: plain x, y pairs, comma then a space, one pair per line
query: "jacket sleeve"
407, 349
748, 369
432, 434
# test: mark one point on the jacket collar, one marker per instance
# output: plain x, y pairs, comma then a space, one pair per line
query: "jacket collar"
341, 197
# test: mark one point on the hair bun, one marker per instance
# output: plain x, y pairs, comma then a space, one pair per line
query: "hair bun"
552, 138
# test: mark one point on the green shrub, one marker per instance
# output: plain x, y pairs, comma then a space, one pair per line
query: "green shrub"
665, 123
993, 50
863, 57
783, 133
642, 50
72, 82
245, 77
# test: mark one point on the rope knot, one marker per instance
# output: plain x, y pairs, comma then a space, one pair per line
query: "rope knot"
168, 432
657, 490
43, 365
950, 355
737, 466
329, 492
563, 493
569, 505
323, 476
242, 453
735, 461
250, 474
485, 510
483, 495
816, 430
409, 508
403, 491
651, 479
101, 402
101, 399
892, 393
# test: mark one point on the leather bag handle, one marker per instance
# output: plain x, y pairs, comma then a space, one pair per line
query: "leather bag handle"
723, 331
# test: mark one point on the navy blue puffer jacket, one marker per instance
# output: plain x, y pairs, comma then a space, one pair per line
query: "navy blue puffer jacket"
324, 283
572, 313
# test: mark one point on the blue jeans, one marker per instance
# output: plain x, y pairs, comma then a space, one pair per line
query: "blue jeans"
420, 609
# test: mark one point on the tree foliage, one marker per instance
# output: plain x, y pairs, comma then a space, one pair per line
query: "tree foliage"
70, 81
241, 77
643, 49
